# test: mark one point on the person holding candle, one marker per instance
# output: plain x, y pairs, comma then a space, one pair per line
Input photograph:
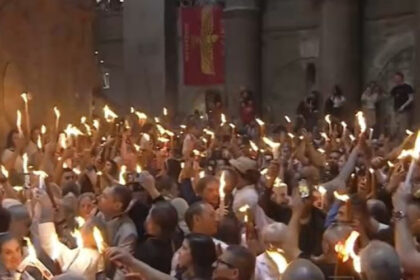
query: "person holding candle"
335, 103
85, 259
207, 188
12, 156
200, 218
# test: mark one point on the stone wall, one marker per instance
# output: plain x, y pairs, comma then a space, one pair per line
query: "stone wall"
46, 49
291, 41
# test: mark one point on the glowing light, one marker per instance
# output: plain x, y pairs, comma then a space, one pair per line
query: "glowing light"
39, 142
346, 251
244, 209
390, 164
96, 124
291, 135
271, 143
25, 97
416, 150
222, 185
409, 132
80, 221
288, 120
141, 116
78, 237
278, 258
325, 136
341, 197
328, 119
4, 171
77, 171
57, 113
322, 151
259, 122
254, 146
100, 244
83, 120
223, 119
109, 115
43, 129
322, 190
138, 168
361, 121
19, 122
121, 178
62, 139
25, 160
165, 111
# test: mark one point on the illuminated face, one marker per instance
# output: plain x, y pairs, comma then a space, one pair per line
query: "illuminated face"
185, 258
280, 196
107, 203
11, 255
86, 206
68, 177
362, 186
211, 193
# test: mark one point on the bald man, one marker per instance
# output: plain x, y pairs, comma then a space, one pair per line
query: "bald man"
273, 236
380, 262
327, 261
302, 270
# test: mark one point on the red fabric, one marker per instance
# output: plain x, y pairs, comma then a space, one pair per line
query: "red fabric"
203, 45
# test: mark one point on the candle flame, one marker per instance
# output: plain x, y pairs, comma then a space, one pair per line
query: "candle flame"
342, 197
278, 183
287, 119
43, 129
39, 142
343, 124
80, 221
390, 164
157, 120
78, 237
371, 170
278, 258
141, 115
209, 132
322, 151
264, 171
346, 251
25, 97
405, 154
202, 174
4, 171
56, 112
19, 122
165, 111
361, 121
223, 119
259, 122
100, 244
137, 147
183, 126
31, 249
62, 139
96, 124
109, 115
328, 119
77, 171
72, 131
121, 178
138, 168
325, 136
271, 143
146, 137
409, 132
222, 185
25, 160
232, 125
18, 188
244, 209
322, 190
291, 135
40, 173
352, 138
160, 129
83, 120
254, 146
416, 150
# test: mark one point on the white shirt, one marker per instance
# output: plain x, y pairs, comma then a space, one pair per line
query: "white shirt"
84, 261
266, 269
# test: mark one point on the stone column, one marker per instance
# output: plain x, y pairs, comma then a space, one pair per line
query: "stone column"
416, 115
340, 50
243, 40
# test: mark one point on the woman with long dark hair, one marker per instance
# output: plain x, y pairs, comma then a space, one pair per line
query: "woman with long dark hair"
11, 157
196, 257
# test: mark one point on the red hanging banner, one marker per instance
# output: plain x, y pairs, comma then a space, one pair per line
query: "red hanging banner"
203, 45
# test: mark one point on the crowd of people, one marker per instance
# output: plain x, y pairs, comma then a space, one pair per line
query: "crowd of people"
137, 197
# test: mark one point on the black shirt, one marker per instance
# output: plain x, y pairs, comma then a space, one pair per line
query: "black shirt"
157, 253
401, 94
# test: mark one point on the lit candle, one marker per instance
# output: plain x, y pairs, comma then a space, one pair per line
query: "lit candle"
280, 261
121, 178
57, 118
261, 125
328, 120
346, 251
32, 260
19, 122
26, 174
222, 191
109, 115
414, 157
361, 121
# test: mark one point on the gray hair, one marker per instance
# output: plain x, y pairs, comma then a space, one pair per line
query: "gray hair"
380, 262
